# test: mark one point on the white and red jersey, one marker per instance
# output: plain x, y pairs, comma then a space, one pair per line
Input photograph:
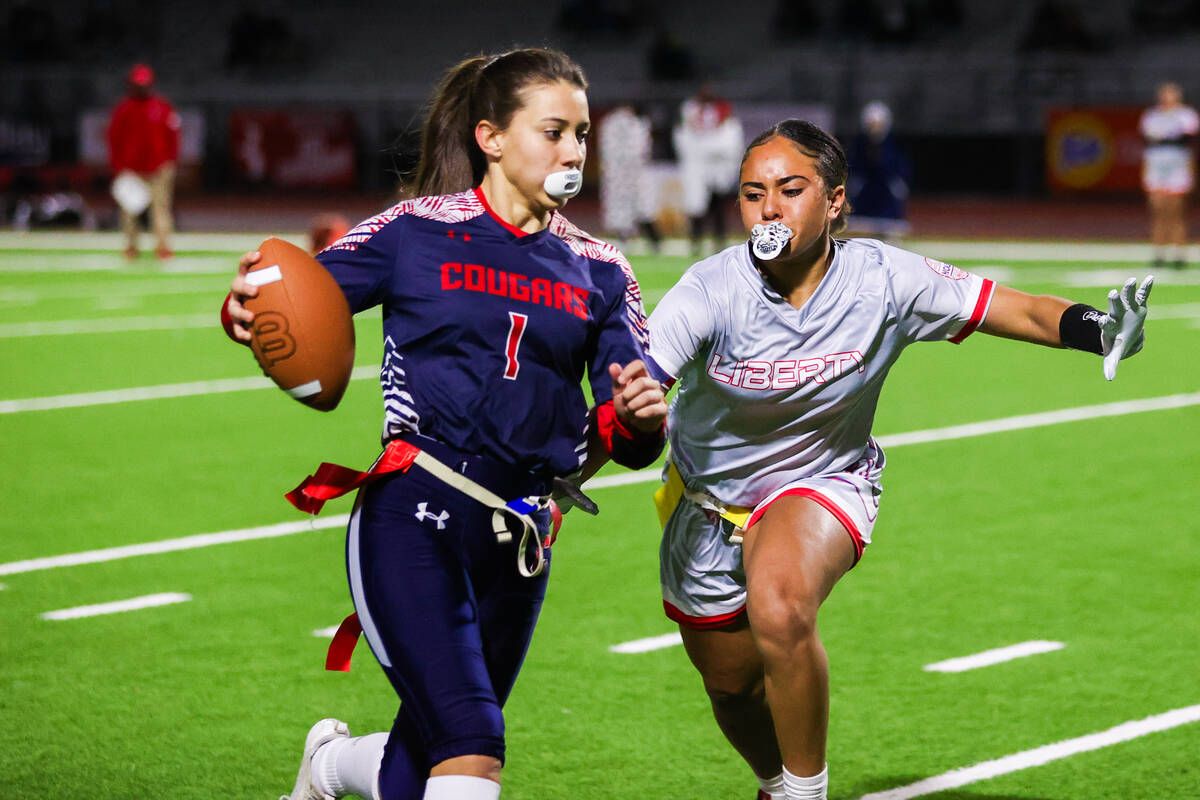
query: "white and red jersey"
769, 394
1167, 164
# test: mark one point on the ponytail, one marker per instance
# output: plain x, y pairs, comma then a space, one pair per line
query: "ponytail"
447, 140
479, 88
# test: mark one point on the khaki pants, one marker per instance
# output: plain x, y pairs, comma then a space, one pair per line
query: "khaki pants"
162, 188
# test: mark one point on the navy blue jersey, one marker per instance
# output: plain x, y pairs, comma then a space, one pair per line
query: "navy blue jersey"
488, 330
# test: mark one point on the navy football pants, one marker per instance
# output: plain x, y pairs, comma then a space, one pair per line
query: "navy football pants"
444, 609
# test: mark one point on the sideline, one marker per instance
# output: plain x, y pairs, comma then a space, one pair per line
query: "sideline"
642, 476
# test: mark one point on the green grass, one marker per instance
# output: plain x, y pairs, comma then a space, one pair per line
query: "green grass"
1082, 532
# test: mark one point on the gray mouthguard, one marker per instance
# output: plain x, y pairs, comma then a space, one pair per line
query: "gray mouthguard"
563, 185
767, 241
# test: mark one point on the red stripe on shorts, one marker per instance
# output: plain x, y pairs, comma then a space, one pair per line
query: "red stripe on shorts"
824, 502
701, 623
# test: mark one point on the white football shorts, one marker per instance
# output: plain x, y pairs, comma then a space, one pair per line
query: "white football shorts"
703, 580
1167, 170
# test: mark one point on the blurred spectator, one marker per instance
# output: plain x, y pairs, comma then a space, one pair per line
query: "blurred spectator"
626, 196
32, 33
143, 143
263, 43
795, 19
1058, 25
879, 176
1168, 171
101, 28
597, 17
669, 58
1165, 16
708, 143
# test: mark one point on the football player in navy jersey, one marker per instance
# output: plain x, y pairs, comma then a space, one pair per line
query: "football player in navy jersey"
495, 309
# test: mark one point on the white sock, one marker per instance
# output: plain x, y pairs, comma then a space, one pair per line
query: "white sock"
461, 787
814, 788
349, 766
773, 786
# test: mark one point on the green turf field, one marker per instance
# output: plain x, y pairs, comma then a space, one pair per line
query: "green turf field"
1080, 532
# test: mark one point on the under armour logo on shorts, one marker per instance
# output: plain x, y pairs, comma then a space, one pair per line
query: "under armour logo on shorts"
422, 514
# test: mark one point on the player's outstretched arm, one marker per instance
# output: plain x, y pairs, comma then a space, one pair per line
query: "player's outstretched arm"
1055, 322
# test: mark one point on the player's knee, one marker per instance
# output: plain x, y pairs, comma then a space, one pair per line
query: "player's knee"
729, 692
782, 617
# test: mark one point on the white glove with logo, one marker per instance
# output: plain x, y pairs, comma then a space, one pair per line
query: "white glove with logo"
1121, 333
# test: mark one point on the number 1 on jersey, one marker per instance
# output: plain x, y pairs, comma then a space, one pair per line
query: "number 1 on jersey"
516, 329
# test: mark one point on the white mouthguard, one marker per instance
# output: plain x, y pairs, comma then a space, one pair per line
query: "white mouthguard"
563, 185
768, 241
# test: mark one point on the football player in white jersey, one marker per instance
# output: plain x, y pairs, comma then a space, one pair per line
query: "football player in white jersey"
780, 347
1168, 171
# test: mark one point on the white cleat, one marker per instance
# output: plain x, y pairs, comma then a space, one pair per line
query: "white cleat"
324, 731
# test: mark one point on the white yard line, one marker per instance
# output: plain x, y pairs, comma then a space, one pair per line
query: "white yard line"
123, 288
173, 545
161, 392
119, 606
1041, 755
79, 240
71, 327
642, 476
996, 656
1039, 420
648, 644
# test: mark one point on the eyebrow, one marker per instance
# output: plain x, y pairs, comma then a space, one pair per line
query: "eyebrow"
560, 121
779, 182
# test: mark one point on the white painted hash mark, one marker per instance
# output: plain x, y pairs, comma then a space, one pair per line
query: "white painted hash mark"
326, 633
1041, 755
172, 545
648, 644
997, 656
118, 606
161, 392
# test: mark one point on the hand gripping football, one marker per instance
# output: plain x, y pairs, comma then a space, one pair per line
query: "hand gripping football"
303, 334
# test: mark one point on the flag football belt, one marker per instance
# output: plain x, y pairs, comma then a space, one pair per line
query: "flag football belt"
667, 496
332, 480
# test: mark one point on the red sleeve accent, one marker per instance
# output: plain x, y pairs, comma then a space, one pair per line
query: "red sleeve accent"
628, 447
227, 320
977, 314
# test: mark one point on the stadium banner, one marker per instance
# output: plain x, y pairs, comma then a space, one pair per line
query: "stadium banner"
294, 148
1094, 149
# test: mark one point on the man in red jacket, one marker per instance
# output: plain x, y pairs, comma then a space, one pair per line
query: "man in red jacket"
143, 142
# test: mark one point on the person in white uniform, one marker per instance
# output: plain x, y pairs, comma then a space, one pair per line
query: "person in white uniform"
1168, 171
780, 347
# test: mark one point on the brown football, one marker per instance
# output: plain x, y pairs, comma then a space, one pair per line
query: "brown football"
303, 334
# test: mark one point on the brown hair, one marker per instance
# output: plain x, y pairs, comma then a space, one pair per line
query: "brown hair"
479, 88
822, 148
